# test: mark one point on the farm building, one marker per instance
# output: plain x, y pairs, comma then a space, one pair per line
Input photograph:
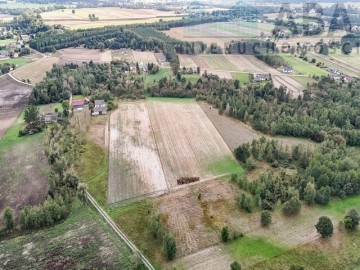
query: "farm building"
334, 70
259, 77
334, 76
99, 108
49, 118
287, 69
348, 79
78, 104
162, 58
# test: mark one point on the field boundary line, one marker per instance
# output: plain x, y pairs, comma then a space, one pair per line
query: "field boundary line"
119, 232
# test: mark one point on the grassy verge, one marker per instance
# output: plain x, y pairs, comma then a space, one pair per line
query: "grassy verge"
93, 170
226, 165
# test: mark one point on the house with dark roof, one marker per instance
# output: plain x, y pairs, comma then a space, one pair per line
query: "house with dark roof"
287, 69
100, 108
162, 58
334, 76
260, 77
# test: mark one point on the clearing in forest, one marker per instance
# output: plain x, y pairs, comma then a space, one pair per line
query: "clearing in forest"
80, 55
134, 164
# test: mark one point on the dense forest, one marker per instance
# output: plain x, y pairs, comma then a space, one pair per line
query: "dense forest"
104, 81
312, 175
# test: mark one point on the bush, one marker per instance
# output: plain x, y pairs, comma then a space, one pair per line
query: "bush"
235, 266
250, 164
351, 220
244, 202
9, 218
169, 246
325, 227
292, 207
265, 218
225, 234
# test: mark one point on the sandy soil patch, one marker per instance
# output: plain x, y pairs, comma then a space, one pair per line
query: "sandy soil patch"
145, 57
80, 55
188, 143
13, 98
250, 63
134, 165
36, 71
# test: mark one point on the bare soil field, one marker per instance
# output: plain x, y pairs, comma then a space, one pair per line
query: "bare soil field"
250, 63
134, 164
219, 62
80, 55
188, 143
220, 73
13, 98
235, 133
145, 57
24, 173
187, 61
36, 71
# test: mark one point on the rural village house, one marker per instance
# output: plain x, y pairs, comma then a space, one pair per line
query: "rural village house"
287, 69
99, 108
259, 77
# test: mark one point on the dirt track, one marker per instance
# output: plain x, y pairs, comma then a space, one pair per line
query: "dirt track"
13, 98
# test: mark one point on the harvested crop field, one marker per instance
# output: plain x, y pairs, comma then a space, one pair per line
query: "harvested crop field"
250, 63
144, 57
80, 55
134, 164
219, 62
235, 133
36, 71
188, 143
220, 73
295, 88
13, 98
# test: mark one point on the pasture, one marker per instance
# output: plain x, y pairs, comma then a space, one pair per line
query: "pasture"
13, 98
18, 62
35, 71
82, 241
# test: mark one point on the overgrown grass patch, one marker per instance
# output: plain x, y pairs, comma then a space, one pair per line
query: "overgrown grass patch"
93, 169
249, 250
227, 165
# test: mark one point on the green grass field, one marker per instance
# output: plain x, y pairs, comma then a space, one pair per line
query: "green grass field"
151, 79
19, 62
242, 77
303, 67
226, 166
251, 250
5, 42
219, 62
93, 169
303, 80
82, 241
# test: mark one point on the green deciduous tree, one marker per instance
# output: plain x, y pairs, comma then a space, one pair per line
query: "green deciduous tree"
309, 194
352, 219
325, 227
